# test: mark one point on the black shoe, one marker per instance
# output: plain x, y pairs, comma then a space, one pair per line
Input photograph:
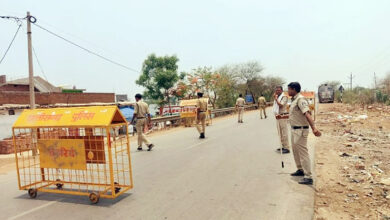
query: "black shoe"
285, 151
150, 146
139, 148
306, 181
298, 173
202, 136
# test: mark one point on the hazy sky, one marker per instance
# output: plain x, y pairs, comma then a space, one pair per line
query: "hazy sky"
305, 41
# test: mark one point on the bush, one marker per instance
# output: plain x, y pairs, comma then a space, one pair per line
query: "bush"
359, 95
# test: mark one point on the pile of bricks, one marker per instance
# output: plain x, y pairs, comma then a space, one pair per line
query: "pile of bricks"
6, 146
24, 140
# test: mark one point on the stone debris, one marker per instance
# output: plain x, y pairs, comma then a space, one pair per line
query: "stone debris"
363, 137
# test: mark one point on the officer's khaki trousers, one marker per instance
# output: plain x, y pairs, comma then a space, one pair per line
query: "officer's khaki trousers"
201, 119
262, 111
283, 129
300, 151
140, 125
240, 113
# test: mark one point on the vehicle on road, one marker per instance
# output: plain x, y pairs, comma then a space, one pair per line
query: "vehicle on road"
325, 93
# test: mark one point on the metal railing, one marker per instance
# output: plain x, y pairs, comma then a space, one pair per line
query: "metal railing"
175, 120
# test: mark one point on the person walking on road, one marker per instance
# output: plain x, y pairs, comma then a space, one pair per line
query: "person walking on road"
280, 110
240, 105
262, 104
201, 109
300, 120
141, 111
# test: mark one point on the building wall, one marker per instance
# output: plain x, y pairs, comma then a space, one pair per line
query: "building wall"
18, 88
3, 79
53, 98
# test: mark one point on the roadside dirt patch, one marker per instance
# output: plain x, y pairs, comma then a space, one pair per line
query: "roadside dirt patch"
7, 163
353, 162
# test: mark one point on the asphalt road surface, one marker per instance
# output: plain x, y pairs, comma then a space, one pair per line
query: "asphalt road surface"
234, 173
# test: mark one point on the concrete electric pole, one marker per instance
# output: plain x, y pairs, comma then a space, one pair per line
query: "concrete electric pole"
350, 81
30, 61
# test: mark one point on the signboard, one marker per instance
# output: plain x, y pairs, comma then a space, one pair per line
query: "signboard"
173, 110
249, 99
187, 115
192, 102
62, 154
62, 117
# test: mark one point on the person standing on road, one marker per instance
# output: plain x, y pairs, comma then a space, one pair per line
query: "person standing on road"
141, 111
300, 120
280, 110
201, 109
262, 104
240, 105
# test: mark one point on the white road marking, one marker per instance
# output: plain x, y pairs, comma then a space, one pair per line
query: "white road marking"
33, 210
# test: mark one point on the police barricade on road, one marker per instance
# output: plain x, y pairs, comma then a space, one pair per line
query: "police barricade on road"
76, 151
188, 112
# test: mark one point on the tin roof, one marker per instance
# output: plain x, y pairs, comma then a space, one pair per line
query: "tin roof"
40, 84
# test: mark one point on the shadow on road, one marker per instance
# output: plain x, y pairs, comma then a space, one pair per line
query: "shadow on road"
74, 199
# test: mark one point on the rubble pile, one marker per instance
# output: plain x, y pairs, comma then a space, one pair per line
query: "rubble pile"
357, 182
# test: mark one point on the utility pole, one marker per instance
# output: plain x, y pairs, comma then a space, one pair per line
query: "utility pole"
376, 86
350, 80
30, 62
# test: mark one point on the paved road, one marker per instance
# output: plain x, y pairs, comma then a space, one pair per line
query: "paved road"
233, 174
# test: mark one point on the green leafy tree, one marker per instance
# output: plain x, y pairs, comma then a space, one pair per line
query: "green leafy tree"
159, 76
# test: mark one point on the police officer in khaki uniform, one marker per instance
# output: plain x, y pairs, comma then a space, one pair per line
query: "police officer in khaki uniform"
280, 111
141, 111
201, 111
240, 105
300, 120
262, 103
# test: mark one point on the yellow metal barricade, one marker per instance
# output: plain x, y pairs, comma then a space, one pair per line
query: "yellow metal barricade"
77, 151
188, 112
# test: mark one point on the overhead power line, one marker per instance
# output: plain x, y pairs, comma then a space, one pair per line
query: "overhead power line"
87, 50
39, 64
9, 46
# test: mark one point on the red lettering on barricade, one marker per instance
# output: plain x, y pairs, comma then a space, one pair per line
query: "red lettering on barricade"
43, 117
83, 116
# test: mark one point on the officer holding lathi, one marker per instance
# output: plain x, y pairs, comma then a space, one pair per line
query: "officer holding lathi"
300, 120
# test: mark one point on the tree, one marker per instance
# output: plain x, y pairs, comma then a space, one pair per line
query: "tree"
226, 86
159, 75
225, 90
249, 74
270, 84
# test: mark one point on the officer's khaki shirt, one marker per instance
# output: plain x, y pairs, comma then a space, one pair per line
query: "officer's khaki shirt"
283, 108
262, 101
141, 109
298, 108
240, 102
202, 105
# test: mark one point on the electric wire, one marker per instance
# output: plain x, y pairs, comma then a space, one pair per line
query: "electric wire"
12, 41
87, 50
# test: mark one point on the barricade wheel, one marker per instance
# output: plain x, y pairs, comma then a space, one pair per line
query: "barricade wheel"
59, 185
32, 193
117, 189
94, 198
